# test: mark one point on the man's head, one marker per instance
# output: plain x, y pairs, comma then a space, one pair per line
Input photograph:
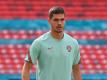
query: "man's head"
57, 19
56, 10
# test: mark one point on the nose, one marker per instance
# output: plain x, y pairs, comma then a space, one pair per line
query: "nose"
59, 22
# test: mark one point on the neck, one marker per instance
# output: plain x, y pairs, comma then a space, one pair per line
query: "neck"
57, 36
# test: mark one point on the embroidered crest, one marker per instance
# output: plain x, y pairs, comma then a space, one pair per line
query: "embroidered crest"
68, 48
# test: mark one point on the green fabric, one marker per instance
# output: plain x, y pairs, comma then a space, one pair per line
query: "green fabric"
55, 57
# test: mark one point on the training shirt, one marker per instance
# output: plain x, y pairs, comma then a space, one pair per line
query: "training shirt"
55, 58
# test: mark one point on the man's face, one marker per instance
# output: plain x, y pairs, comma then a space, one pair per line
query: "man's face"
57, 23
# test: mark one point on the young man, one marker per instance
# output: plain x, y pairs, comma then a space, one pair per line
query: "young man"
55, 53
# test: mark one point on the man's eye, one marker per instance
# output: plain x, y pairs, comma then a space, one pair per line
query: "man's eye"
62, 19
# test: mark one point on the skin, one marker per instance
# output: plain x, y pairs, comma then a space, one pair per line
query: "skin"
57, 25
57, 31
77, 72
26, 70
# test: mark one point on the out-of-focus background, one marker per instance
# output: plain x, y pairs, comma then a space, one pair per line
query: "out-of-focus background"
21, 21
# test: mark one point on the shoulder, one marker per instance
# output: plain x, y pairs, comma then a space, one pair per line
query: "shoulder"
71, 39
41, 38
67, 36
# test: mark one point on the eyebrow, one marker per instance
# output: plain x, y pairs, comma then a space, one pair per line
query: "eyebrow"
56, 19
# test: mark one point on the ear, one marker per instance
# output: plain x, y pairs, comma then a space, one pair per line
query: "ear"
48, 19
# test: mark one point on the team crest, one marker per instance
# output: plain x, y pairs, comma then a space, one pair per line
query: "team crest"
68, 48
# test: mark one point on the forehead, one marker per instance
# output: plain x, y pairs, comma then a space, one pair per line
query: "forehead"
58, 16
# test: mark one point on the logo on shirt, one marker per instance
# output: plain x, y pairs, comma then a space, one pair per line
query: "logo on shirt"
68, 48
49, 48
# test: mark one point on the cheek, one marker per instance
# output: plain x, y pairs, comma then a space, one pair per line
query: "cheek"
54, 24
63, 22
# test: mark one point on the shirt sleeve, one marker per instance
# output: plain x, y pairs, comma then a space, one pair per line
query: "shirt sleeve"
76, 55
34, 51
27, 58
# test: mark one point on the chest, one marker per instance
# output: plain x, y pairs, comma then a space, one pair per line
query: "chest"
51, 51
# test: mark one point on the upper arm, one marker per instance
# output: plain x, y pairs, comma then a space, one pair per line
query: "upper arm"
76, 72
75, 67
26, 68
27, 65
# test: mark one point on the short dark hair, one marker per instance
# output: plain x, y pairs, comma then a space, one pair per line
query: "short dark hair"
56, 10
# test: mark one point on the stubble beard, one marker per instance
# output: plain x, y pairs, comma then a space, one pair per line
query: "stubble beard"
58, 30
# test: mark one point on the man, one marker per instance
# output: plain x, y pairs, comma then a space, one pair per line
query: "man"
55, 53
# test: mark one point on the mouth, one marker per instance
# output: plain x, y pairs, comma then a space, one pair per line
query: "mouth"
59, 28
